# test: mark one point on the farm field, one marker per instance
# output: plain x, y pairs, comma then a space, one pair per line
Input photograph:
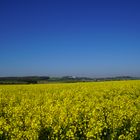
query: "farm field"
77, 111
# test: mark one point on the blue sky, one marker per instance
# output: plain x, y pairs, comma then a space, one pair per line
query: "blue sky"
94, 38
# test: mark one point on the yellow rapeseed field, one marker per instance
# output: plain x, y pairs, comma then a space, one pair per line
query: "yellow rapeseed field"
77, 111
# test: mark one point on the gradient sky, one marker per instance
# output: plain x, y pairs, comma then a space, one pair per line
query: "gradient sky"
70, 37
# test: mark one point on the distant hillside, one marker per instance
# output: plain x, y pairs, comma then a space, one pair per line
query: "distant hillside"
65, 79
23, 80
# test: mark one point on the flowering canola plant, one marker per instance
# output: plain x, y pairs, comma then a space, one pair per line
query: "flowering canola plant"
78, 111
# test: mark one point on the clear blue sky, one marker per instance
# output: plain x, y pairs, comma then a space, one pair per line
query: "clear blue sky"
70, 37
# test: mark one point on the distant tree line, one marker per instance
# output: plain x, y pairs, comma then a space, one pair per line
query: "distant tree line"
23, 80
65, 79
